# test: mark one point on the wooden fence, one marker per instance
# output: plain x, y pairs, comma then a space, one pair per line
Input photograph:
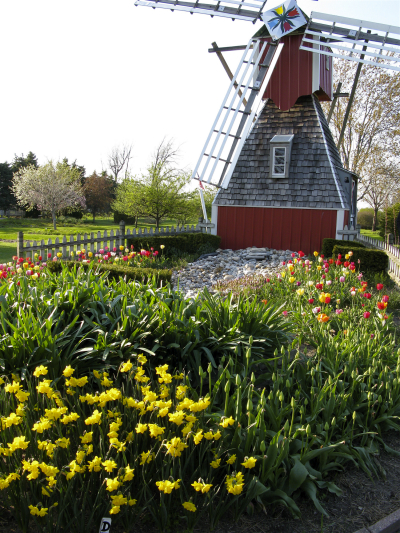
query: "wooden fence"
109, 239
392, 252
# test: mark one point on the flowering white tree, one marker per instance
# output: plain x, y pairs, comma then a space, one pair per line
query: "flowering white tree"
49, 187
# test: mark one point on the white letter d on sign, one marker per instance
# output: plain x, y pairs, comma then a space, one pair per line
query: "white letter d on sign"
105, 526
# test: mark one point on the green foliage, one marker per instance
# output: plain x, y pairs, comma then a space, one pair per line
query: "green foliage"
188, 243
116, 271
365, 217
329, 244
76, 316
7, 199
372, 260
129, 221
387, 221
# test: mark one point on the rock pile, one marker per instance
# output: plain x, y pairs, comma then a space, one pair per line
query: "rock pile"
227, 265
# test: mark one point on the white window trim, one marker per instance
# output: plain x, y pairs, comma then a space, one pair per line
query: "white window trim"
280, 174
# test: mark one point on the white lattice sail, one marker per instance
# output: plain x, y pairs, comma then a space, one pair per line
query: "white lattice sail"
233, 9
378, 44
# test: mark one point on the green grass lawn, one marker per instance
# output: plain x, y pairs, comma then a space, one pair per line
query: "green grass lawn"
370, 233
38, 229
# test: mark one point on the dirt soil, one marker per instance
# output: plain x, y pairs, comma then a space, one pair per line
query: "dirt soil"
364, 502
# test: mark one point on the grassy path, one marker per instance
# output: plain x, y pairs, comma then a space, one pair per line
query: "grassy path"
38, 229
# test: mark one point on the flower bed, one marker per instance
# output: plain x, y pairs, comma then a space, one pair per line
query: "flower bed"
83, 436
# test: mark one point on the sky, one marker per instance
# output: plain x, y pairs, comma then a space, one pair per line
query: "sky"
80, 77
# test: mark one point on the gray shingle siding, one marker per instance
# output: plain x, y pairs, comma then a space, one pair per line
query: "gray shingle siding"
311, 182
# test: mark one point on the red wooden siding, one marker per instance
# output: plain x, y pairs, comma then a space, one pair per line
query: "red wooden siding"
281, 229
292, 76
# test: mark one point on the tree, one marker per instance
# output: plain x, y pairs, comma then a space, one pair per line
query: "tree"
7, 199
371, 146
98, 194
23, 162
49, 187
365, 217
162, 188
118, 160
128, 198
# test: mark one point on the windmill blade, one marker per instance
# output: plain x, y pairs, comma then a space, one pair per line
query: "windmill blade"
232, 125
233, 9
339, 35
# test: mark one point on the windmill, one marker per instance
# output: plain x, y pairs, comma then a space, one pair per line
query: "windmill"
285, 70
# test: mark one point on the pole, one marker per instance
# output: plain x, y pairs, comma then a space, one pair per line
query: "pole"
353, 92
333, 104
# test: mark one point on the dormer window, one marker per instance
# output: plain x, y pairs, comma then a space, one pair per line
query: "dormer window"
279, 162
281, 148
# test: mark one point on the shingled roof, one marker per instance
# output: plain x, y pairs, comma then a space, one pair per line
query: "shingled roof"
312, 181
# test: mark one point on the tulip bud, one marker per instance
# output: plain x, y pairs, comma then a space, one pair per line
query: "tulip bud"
263, 446
333, 423
354, 416
292, 402
286, 426
326, 427
308, 430
238, 380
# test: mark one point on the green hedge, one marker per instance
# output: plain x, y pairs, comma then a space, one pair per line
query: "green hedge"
329, 244
190, 243
370, 260
117, 271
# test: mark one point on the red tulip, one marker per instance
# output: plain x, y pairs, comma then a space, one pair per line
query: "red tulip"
379, 287
367, 314
385, 298
311, 301
301, 254
367, 295
381, 305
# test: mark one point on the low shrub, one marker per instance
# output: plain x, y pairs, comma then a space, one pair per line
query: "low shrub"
329, 244
369, 260
188, 243
129, 221
116, 271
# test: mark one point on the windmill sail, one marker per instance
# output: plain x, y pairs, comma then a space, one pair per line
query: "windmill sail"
233, 9
346, 38
232, 124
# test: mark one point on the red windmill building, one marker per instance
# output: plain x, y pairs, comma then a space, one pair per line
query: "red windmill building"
270, 151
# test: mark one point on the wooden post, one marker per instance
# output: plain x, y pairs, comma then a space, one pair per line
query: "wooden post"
352, 94
390, 238
20, 244
122, 233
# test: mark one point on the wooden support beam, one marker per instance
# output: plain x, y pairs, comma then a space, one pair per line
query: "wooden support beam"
227, 69
353, 92
333, 104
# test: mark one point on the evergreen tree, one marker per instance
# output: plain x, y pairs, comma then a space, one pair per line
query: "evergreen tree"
7, 199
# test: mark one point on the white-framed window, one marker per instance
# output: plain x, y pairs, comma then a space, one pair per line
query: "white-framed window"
279, 161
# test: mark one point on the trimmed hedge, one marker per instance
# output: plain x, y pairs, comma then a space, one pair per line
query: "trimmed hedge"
117, 271
329, 244
190, 243
371, 260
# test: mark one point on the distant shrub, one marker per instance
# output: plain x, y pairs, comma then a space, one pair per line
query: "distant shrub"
365, 218
188, 243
